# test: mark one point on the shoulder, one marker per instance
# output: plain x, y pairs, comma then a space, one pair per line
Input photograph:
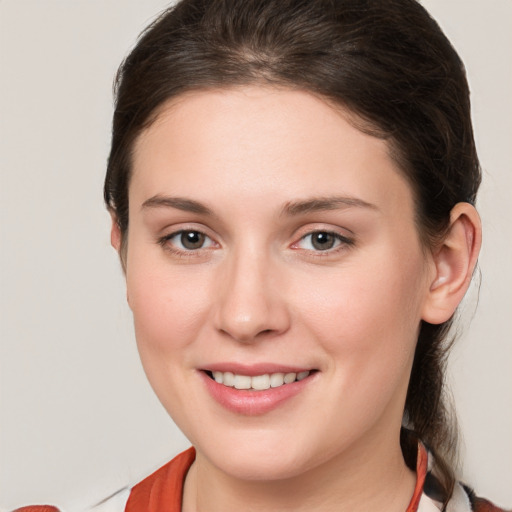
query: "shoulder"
114, 503
462, 499
162, 490
37, 508
465, 500
481, 504
164, 487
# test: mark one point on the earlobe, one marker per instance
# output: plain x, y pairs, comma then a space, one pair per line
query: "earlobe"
454, 262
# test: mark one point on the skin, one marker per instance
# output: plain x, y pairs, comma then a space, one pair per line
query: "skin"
258, 291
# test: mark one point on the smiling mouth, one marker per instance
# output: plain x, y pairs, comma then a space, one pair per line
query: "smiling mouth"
257, 382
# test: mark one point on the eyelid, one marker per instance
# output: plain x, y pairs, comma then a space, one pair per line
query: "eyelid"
342, 241
165, 241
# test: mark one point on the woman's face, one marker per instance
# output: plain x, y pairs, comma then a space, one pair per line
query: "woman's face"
270, 238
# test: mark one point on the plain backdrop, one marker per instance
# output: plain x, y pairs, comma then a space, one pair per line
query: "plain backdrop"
78, 419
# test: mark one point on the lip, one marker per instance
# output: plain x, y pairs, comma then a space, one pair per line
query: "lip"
254, 369
253, 403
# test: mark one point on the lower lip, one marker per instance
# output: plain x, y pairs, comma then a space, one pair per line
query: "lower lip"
253, 403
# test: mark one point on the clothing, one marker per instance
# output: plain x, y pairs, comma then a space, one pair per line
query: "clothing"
162, 491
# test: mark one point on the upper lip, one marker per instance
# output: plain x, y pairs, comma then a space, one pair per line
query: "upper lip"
254, 369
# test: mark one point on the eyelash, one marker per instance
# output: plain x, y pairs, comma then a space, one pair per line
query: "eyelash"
341, 243
185, 253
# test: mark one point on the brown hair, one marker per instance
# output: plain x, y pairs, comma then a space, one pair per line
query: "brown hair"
386, 61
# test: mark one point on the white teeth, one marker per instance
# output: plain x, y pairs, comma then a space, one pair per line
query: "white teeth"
242, 382
276, 380
289, 378
228, 379
257, 382
260, 382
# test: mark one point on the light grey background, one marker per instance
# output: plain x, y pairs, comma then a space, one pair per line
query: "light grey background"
78, 419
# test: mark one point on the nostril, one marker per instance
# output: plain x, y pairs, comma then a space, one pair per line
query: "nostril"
249, 321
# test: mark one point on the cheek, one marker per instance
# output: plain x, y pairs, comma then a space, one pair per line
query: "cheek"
367, 316
168, 307
168, 318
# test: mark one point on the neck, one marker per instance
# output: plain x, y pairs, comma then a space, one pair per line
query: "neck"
369, 477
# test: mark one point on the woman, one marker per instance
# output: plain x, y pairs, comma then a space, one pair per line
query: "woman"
291, 186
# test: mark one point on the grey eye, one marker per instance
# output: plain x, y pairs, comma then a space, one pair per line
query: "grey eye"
323, 241
187, 240
192, 239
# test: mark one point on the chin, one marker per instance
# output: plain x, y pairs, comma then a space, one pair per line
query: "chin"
259, 455
262, 467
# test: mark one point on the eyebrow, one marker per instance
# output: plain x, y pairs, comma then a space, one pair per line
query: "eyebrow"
180, 203
291, 208
324, 204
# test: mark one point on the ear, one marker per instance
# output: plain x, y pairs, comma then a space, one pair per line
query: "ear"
116, 240
454, 261
115, 233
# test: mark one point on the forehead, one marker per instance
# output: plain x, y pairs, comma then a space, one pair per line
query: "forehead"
261, 141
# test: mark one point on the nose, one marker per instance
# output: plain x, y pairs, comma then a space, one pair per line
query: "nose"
251, 303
